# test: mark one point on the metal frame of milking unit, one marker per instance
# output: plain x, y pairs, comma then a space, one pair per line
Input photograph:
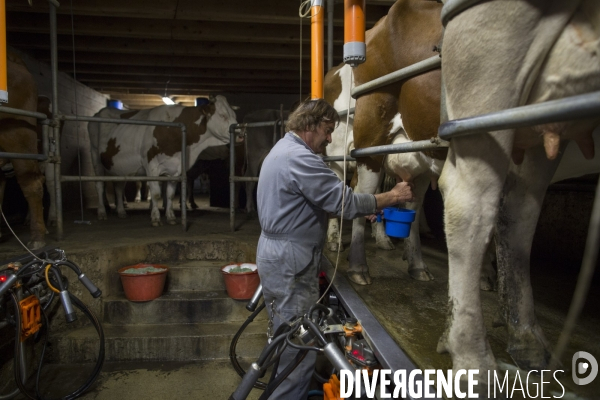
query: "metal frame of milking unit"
55, 124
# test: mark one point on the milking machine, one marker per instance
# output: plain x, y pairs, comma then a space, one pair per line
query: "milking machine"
30, 284
326, 329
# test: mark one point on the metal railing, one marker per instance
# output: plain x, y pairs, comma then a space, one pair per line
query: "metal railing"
54, 122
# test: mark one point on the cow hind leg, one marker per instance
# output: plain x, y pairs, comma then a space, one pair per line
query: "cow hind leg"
417, 269
471, 184
524, 193
155, 193
119, 190
333, 235
138, 192
358, 270
169, 213
31, 182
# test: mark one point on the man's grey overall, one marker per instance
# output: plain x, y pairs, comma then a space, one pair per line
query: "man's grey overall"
296, 194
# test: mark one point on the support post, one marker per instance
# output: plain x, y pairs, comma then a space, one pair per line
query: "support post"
330, 9
3, 60
231, 175
316, 56
183, 177
56, 121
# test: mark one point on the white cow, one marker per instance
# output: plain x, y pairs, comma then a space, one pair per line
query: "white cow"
129, 150
499, 55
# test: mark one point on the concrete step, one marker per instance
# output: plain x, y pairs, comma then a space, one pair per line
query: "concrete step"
177, 308
177, 342
195, 276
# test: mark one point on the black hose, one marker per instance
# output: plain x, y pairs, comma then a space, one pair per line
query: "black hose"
318, 306
284, 374
232, 355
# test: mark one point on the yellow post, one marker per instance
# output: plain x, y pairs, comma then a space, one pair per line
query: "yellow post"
3, 62
316, 47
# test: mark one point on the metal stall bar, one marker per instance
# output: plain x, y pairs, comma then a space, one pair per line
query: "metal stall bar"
407, 147
566, 109
25, 156
337, 158
404, 73
182, 177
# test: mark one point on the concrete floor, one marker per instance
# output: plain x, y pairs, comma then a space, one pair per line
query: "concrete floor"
412, 312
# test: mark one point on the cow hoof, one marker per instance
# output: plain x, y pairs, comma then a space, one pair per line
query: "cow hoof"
421, 275
360, 278
122, 215
138, 200
385, 244
333, 246
156, 223
194, 206
172, 221
36, 244
102, 217
529, 349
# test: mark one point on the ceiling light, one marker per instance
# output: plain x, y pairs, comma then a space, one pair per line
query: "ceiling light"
167, 100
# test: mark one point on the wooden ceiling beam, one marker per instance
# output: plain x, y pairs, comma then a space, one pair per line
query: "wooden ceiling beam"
159, 81
163, 29
175, 72
149, 89
267, 11
162, 47
171, 62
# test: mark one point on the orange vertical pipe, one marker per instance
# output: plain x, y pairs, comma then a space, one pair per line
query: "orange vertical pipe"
3, 62
316, 49
354, 32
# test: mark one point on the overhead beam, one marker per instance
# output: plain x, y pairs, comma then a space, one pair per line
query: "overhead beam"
161, 47
279, 12
150, 89
159, 81
175, 72
143, 60
163, 29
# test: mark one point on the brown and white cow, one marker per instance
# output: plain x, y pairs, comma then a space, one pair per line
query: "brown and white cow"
408, 34
499, 55
18, 135
129, 150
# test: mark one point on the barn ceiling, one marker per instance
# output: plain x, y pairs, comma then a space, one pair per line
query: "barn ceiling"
137, 50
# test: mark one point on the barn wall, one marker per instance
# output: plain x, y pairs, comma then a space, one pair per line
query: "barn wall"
73, 98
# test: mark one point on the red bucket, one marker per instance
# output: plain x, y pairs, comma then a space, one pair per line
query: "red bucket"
241, 285
143, 286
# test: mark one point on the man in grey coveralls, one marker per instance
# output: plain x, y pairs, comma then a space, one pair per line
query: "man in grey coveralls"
296, 194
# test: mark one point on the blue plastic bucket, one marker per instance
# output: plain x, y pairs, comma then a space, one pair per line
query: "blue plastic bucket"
397, 221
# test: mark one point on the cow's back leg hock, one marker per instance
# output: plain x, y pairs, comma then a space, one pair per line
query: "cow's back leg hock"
169, 213
155, 193
119, 190
525, 188
381, 238
333, 228
417, 269
358, 270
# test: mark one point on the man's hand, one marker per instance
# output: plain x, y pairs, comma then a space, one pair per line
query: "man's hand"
400, 193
